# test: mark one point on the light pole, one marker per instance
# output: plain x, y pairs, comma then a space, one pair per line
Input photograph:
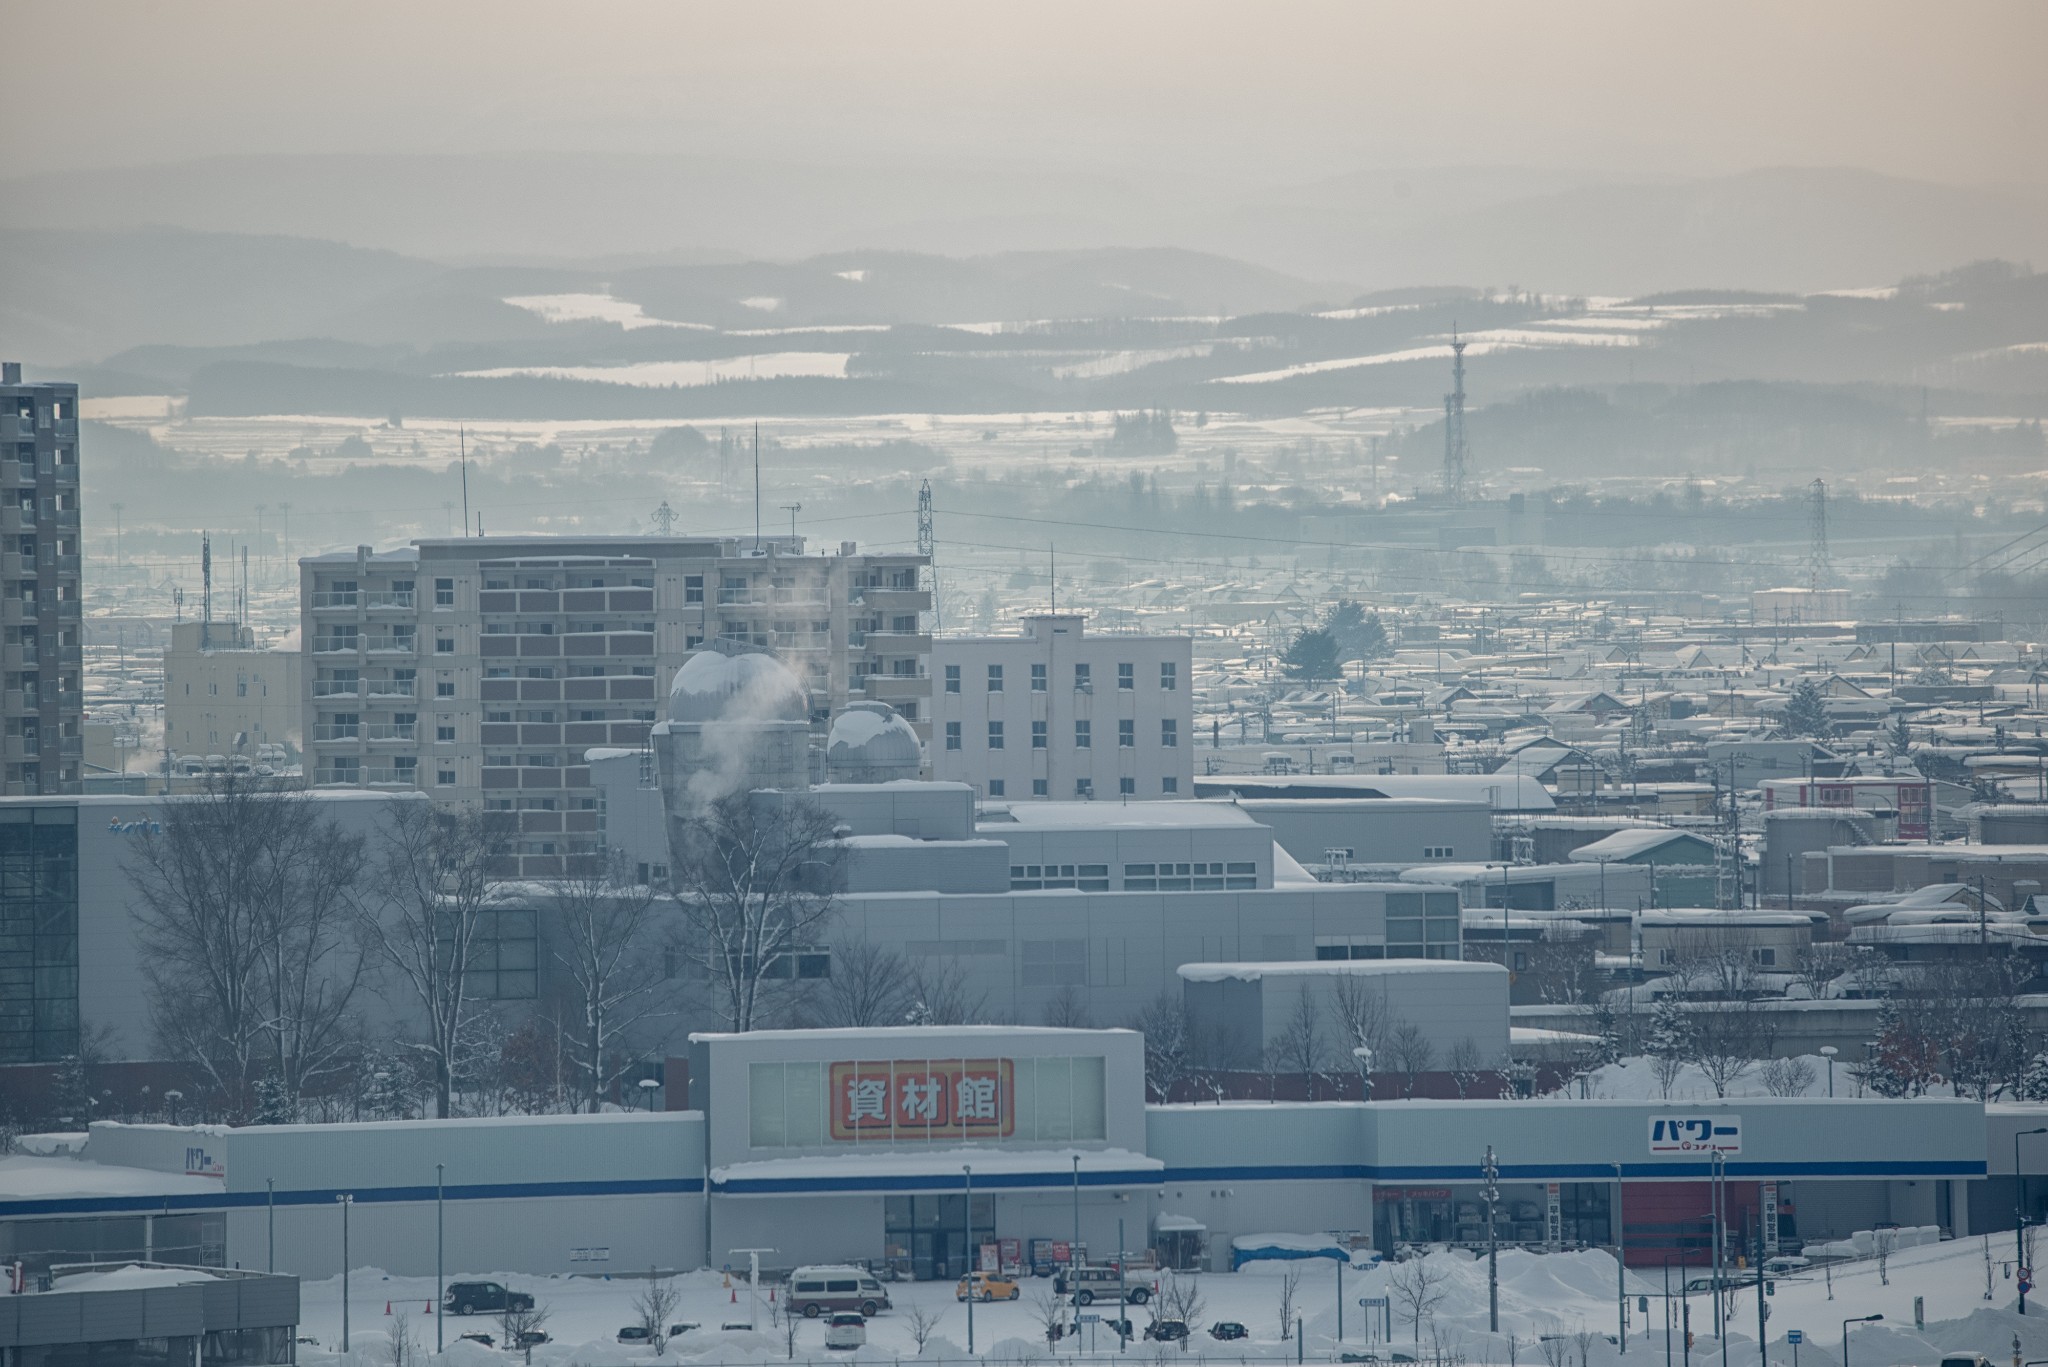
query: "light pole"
1667, 1310
1074, 1248
1828, 1052
174, 1096
1364, 1057
270, 1218
1720, 1234
440, 1173
2019, 1208
345, 1201
1491, 1191
1860, 1319
647, 1086
1620, 1265
971, 1259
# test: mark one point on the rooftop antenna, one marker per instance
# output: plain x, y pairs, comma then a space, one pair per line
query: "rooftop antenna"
663, 517
757, 488
242, 613
925, 544
205, 590
462, 442
792, 509
1454, 422
1052, 561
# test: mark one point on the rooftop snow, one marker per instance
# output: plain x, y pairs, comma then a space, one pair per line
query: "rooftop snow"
1330, 968
25, 1178
1097, 816
1627, 844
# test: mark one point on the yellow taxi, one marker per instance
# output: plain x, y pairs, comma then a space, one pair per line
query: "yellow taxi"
986, 1286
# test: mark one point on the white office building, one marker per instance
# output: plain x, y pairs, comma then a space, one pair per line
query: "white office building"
1057, 712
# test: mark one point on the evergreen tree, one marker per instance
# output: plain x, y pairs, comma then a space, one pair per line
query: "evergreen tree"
1607, 1028
274, 1102
1807, 713
71, 1092
1887, 1072
1312, 656
1360, 635
2034, 1081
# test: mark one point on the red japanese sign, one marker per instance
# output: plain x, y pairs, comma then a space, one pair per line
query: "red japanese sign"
935, 1098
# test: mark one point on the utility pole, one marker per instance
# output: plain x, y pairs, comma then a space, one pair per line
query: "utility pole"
1454, 423
1491, 1191
792, 509
926, 545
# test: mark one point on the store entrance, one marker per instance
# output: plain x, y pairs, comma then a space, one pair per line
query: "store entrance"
928, 1237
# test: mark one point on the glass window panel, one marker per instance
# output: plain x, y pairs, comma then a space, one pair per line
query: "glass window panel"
766, 1128
1055, 1118
804, 1104
1090, 1113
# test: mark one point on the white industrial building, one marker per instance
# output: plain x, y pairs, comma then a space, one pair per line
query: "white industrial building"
1057, 712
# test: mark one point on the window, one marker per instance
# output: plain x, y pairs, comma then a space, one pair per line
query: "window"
1169, 677
507, 962
1438, 852
1083, 737
1038, 678
1196, 877
1038, 787
1127, 735
995, 735
1766, 956
1169, 785
1127, 786
38, 934
444, 688
444, 593
1054, 963
1169, 733
995, 787
1083, 682
445, 777
952, 678
1038, 735
444, 732
995, 678
1084, 788
693, 588
1422, 925
952, 735
1126, 677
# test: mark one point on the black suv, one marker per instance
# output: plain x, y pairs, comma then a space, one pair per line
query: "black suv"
470, 1298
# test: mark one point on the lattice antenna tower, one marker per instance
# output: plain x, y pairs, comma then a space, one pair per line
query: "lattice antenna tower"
1454, 423
206, 590
1818, 567
664, 518
929, 571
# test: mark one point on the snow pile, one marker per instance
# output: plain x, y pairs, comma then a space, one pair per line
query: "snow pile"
133, 1278
1254, 1248
1863, 1243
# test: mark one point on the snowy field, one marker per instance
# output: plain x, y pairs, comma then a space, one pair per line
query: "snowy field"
1557, 1294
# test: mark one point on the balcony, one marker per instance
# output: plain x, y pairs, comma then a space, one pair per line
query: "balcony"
894, 600
390, 777
898, 642
338, 773
393, 645
404, 731
333, 731
391, 688
337, 688
394, 599
336, 645
335, 602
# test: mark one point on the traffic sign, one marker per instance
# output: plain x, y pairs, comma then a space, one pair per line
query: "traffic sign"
1795, 1336
1088, 1319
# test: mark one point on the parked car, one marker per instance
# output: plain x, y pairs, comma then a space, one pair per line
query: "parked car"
485, 1339
1965, 1360
635, 1333
730, 1327
1167, 1331
1375, 1357
846, 1329
815, 1291
529, 1338
1786, 1262
987, 1286
1088, 1285
1228, 1329
676, 1331
474, 1298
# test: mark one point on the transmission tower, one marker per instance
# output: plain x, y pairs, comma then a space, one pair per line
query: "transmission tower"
930, 570
206, 590
1454, 424
1818, 569
664, 518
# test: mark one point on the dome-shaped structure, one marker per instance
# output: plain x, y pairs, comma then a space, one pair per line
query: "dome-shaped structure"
871, 743
713, 686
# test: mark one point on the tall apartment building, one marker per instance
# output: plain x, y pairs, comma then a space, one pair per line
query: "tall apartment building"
225, 696
41, 619
1057, 713
482, 669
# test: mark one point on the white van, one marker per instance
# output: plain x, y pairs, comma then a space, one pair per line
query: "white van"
815, 1291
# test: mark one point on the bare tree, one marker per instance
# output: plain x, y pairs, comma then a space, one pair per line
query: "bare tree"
1786, 1076
942, 994
401, 1349
1583, 1339
1180, 1298
1049, 1309
1882, 1241
1410, 1053
434, 872
1728, 1038
922, 1322
756, 883
1563, 969
869, 986
1301, 1046
1363, 1017
1989, 1281
1819, 965
244, 896
1290, 1289
1466, 1064
1169, 1044
605, 928
518, 1327
654, 1308
1068, 1009
1419, 1286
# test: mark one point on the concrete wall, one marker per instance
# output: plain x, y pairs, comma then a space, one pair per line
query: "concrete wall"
1238, 1019
1378, 831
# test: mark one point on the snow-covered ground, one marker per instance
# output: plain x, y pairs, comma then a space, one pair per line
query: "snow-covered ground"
1563, 1293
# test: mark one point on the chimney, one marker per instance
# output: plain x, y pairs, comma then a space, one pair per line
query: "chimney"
10, 372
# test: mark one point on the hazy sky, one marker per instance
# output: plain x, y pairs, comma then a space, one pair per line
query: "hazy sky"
1949, 91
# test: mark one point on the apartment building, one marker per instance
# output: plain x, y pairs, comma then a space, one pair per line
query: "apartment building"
1055, 712
223, 695
41, 629
482, 669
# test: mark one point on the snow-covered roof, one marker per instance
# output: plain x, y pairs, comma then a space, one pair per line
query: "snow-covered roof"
27, 1178
1333, 968
754, 687
133, 1278
1629, 844
900, 1034
1096, 816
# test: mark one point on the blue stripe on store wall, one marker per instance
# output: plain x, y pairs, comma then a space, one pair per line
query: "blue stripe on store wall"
245, 1200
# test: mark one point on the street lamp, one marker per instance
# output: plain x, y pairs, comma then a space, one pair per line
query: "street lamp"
440, 1173
1720, 1178
971, 1259
2019, 1228
1491, 1191
1860, 1319
1620, 1265
345, 1201
1828, 1052
647, 1086
1074, 1248
1364, 1057
174, 1096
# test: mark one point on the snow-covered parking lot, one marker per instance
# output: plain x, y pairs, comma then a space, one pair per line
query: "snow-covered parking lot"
1564, 1294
